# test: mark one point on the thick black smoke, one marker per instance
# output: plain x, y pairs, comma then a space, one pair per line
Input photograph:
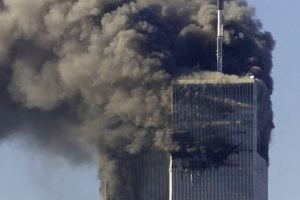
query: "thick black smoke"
82, 73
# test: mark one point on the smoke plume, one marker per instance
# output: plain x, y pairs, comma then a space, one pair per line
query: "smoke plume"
82, 74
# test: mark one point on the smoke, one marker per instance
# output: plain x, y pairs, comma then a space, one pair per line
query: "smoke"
97, 73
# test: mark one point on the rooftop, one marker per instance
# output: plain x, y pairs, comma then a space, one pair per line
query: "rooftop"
213, 78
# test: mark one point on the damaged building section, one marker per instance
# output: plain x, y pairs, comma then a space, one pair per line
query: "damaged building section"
219, 142
210, 152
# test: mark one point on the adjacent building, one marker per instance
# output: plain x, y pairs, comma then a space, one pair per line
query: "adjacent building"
153, 176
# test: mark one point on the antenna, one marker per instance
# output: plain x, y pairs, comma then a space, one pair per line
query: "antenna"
220, 36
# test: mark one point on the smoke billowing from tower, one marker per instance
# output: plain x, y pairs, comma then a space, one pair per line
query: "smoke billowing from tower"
76, 74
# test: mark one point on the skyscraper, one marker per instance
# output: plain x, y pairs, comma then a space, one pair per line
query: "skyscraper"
216, 125
221, 138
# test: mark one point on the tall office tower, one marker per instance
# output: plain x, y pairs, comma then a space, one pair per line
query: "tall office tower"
222, 153
220, 148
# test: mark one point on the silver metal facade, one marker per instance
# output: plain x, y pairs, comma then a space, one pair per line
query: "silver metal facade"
221, 162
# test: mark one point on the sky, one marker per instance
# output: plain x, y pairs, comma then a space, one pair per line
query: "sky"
281, 18
28, 175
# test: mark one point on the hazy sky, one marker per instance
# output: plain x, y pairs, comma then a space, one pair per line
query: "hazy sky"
27, 175
281, 18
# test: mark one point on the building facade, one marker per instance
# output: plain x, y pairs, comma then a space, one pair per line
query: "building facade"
152, 176
222, 154
216, 126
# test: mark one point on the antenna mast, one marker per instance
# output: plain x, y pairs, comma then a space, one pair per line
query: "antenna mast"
220, 36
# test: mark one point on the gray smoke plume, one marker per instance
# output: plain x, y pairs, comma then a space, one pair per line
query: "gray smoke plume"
97, 73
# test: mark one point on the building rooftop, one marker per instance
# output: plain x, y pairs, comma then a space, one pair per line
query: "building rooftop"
213, 78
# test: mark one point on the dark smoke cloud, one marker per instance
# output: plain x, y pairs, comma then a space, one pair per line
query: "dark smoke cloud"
97, 73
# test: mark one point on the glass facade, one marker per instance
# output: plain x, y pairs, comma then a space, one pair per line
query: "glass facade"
216, 127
